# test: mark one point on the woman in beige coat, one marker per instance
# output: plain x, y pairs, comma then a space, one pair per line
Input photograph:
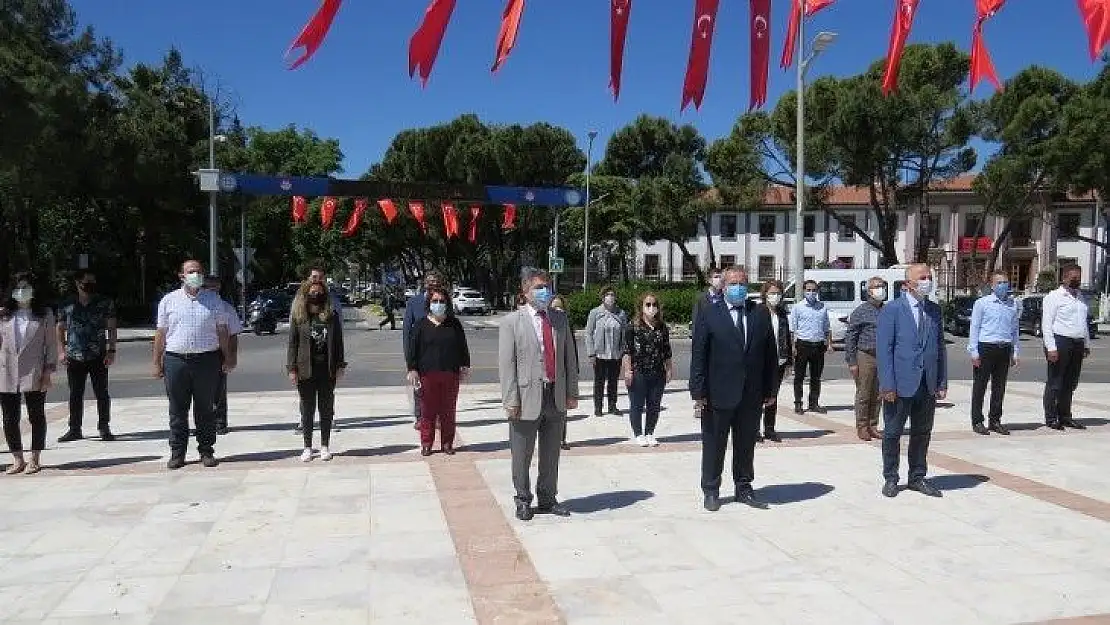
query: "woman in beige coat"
27, 362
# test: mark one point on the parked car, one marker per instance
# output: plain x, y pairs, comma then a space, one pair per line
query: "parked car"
469, 301
1030, 319
957, 315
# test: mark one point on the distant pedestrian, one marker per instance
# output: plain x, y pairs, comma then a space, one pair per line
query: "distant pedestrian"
859, 352
438, 360
86, 336
28, 359
234, 329
713, 296
1067, 341
648, 367
316, 362
604, 335
809, 319
992, 342
389, 306
780, 324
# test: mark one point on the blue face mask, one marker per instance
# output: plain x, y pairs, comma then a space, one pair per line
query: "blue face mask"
542, 296
811, 296
736, 293
1002, 290
438, 309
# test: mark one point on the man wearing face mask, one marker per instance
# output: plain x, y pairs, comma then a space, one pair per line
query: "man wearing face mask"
812, 338
605, 348
86, 336
712, 297
913, 375
234, 329
859, 352
992, 342
733, 366
191, 348
1067, 342
539, 383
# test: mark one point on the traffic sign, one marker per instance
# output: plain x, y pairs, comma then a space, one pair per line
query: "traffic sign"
556, 265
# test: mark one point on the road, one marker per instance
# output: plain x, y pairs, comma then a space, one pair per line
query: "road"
375, 360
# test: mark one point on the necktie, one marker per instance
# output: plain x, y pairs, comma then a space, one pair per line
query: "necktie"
783, 346
740, 326
548, 346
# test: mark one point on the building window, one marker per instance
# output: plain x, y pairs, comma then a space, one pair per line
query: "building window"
845, 231
836, 291
728, 227
845, 262
932, 230
727, 260
766, 268
651, 266
1021, 232
807, 262
809, 227
766, 227
974, 226
1068, 226
690, 267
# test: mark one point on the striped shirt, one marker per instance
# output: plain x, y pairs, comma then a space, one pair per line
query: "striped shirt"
860, 334
190, 321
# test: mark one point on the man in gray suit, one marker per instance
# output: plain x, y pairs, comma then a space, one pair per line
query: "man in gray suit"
539, 383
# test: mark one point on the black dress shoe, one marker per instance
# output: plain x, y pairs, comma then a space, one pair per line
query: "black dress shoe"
209, 461
523, 511
979, 428
614, 411
890, 489
222, 431
712, 503
749, 499
554, 508
1056, 425
758, 437
425, 451
773, 436
925, 488
70, 436
818, 409
565, 446
176, 462
1073, 424
107, 436
996, 426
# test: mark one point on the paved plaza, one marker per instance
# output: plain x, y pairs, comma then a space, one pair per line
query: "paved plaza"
105, 534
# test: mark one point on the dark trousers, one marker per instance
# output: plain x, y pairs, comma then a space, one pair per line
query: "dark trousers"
646, 392
919, 411
317, 394
191, 380
390, 318
716, 425
220, 409
439, 398
811, 356
97, 373
606, 373
1063, 378
994, 367
523, 436
770, 412
36, 414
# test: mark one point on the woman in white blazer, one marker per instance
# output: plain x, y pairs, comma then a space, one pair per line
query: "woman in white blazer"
27, 361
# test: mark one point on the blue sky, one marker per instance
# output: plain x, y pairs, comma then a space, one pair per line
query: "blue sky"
357, 89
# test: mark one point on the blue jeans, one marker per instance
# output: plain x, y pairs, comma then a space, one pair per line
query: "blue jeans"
646, 390
919, 410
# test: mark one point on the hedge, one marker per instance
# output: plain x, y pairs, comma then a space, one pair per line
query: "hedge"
675, 299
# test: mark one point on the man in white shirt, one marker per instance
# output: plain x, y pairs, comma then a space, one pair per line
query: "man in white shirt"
234, 329
191, 348
1067, 342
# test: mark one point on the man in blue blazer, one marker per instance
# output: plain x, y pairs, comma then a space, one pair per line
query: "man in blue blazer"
913, 375
733, 364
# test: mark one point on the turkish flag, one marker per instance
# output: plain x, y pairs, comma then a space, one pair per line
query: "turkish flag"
475, 212
1096, 17
701, 43
791, 40
450, 220
425, 42
981, 64
327, 211
619, 11
417, 210
506, 37
389, 210
761, 51
510, 217
356, 217
313, 33
905, 11
300, 209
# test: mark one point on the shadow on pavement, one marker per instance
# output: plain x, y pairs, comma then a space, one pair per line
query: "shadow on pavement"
101, 463
958, 481
370, 452
793, 493
607, 501
804, 434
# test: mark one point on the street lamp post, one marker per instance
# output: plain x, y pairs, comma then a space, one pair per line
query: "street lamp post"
586, 232
213, 225
820, 42
950, 256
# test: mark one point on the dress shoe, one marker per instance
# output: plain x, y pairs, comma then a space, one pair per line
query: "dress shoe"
749, 499
996, 426
208, 460
613, 410
70, 436
924, 487
523, 511
222, 431
1056, 425
979, 428
890, 489
712, 503
863, 433
1073, 424
798, 408
176, 462
758, 437
773, 436
565, 446
107, 436
554, 508
818, 409
426, 450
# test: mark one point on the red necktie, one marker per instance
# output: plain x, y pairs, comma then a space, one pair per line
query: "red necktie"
548, 346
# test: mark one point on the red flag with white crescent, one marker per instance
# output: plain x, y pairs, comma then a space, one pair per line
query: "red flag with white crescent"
327, 211
300, 209
417, 210
791, 40
450, 221
475, 212
619, 11
356, 217
761, 51
1096, 18
389, 210
981, 64
314, 32
506, 36
701, 44
509, 221
905, 11
425, 42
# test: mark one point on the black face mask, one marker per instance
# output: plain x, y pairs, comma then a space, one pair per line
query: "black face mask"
88, 287
317, 299
1074, 283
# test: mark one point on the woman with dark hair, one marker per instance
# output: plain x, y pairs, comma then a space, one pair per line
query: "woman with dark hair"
315, 361
438, 359
27, 361
647, 367
772, 304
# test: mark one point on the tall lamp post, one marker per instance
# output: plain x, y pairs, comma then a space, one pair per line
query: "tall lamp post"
213, 224
950, 256
820, 43
586, 231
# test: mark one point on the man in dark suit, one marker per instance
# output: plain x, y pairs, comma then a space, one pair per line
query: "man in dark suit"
733, 363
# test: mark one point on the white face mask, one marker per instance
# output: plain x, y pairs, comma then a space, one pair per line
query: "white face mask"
774, 298
194, 280
879, 293
23, 295
924, 288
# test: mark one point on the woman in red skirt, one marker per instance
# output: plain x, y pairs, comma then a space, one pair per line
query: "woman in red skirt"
438, 360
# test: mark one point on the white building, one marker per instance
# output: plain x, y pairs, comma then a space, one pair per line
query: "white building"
763, 239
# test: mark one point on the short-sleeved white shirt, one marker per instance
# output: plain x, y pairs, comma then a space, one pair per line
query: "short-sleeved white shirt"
190, 321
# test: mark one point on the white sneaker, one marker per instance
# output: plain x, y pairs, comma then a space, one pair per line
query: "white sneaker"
306, 455
325, 455
642, 440
651, 442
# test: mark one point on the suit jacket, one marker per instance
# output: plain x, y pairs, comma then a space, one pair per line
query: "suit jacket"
21, 369
520, 363
727, 372
701, 302
905, 354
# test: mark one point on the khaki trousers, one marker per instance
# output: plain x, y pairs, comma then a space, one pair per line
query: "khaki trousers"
867, 391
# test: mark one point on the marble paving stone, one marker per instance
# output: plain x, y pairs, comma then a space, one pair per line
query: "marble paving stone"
139, 563
344, 586
201, 615
112, 596
47, 568
605, 596
220, 589
288, 615
32, 600
326, 551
